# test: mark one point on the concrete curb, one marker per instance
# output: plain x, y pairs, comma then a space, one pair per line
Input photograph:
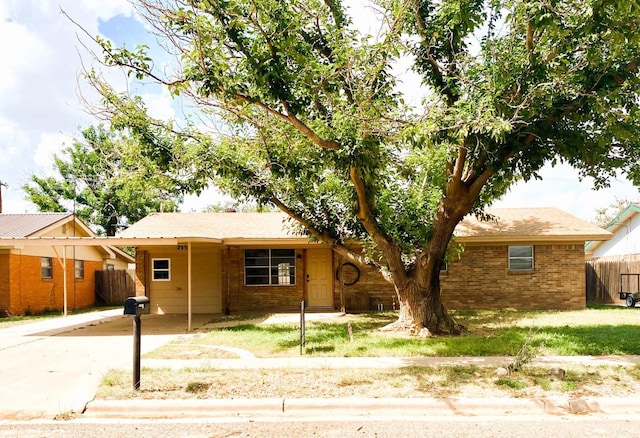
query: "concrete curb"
366, 407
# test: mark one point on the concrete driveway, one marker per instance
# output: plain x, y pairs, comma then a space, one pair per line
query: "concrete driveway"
53, 367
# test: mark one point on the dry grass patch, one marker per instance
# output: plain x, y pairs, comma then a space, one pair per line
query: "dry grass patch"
407, 382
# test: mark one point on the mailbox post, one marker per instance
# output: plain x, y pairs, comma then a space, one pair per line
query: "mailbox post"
136, 306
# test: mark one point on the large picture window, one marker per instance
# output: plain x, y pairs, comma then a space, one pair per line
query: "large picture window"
521, 258
161, 269
269, 267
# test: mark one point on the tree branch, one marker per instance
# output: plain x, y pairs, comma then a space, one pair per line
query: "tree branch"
392, 253
295, 122
325, 238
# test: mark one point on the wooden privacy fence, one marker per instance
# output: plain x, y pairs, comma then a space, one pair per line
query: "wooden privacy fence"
114, 286
604, 282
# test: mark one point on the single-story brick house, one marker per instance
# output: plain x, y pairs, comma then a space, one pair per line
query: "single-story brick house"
231, 262
40, 267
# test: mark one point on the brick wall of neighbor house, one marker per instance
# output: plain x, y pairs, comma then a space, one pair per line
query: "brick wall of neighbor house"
238, 297
4, 284
481, 279
29, 292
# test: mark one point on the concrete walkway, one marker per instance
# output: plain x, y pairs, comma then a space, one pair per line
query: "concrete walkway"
52, 368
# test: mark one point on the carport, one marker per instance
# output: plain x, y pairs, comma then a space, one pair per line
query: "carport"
60, 245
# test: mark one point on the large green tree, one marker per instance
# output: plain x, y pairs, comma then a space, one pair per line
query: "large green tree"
317, 117
107, 180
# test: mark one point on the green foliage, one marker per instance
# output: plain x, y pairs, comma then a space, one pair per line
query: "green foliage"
107, 180
605, 215
311, 114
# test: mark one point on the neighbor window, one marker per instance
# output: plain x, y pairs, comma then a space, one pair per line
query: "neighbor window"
269, 267
79, 269
161, 269
46, 267
521, 258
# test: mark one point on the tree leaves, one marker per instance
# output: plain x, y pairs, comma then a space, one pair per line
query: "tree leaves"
314, 116
106, 180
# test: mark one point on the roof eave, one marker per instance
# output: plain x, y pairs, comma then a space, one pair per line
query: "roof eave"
242, 241
521, 239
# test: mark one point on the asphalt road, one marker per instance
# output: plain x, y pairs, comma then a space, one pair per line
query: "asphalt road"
502, 427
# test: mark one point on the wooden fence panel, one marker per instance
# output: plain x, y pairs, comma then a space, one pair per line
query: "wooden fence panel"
603, 280
114, 286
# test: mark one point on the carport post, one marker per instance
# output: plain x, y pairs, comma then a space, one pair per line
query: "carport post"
137, 329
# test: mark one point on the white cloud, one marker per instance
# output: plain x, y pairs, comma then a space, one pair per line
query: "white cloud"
39, 85
560, 187
50, 145
159, 106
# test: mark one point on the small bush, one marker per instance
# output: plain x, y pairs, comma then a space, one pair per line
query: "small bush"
511, 383
197, 387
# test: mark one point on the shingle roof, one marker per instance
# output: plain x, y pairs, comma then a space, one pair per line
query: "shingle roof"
212, 225
26, 225
518, 224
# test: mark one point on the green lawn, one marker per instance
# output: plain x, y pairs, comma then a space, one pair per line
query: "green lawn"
594, 331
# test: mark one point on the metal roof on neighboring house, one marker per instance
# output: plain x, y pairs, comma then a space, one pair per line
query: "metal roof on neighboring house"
28, 224
511, 224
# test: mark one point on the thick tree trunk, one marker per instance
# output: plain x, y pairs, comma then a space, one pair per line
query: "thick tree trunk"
422, 312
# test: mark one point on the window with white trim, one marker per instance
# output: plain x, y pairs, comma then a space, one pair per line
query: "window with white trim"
269, 267
161, 269
521, 258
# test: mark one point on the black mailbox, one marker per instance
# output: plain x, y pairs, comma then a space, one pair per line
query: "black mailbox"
136, 306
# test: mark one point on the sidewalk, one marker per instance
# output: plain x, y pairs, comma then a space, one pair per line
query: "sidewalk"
55, 366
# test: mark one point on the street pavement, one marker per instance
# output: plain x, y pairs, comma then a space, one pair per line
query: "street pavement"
51, 369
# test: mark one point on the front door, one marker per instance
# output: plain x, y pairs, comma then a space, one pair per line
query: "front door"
319, 278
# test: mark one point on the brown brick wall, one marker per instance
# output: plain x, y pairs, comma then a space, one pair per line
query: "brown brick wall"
481, 279
28, 292
368, 293
4, 284
238, 297
141, 270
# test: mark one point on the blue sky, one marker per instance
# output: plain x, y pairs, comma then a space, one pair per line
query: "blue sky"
41, 108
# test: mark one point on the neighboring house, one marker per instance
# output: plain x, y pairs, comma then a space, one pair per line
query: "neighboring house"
625, 241
232, 262
613, 269
41, 270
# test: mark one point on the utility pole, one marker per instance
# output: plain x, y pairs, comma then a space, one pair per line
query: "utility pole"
2, 184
